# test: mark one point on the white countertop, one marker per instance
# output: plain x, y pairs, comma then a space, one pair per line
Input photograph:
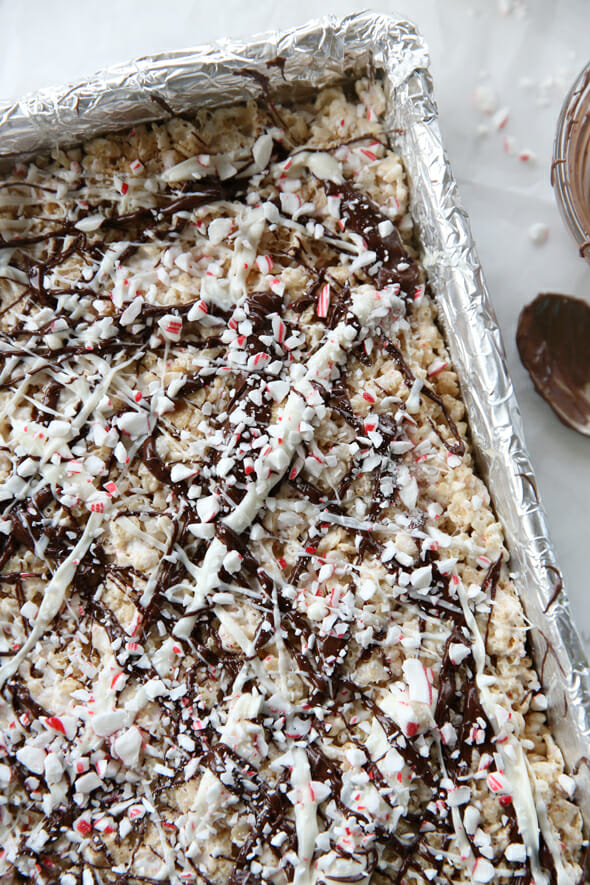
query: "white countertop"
524, 55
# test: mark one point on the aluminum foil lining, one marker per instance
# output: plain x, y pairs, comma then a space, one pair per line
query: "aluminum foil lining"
315, 55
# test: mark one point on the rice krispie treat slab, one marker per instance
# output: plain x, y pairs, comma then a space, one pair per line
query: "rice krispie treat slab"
256, 620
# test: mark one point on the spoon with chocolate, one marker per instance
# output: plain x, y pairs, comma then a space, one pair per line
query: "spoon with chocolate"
553, 339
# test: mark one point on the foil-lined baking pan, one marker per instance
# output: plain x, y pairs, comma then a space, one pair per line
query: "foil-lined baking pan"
299, 61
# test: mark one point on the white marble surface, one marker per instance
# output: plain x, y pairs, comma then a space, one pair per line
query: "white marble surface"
525, 53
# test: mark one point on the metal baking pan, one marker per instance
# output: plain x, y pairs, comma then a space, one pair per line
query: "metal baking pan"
304, 59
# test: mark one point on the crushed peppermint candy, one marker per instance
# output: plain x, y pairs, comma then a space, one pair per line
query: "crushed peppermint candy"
253, 594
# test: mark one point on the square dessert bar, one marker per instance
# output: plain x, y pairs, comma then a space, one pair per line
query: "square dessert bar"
256, 623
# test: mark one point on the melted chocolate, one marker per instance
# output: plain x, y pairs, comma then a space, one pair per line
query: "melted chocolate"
458, 448
363, 217
153, 462
552, 338
22, 699
557, 587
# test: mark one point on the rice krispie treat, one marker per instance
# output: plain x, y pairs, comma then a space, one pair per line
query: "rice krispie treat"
256, 624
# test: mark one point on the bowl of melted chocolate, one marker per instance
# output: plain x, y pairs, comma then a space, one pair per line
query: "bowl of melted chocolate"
570, 169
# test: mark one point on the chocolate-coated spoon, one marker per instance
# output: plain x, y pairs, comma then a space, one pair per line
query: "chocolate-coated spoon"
553, 340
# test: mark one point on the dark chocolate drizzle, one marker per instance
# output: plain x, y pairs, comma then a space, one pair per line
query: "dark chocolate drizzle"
457, 448
325, 661
362, 216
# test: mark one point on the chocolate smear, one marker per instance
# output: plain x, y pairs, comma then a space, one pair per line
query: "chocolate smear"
553, 340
